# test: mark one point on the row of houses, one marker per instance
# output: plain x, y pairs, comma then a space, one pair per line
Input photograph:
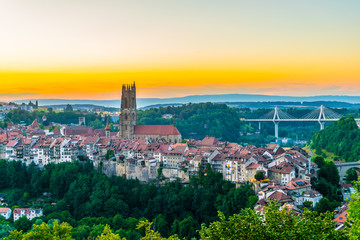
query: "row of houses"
10, 106
237, 163
29, 213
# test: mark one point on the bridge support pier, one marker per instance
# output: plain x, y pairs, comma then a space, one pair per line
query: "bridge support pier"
259, 126
276, 129
322, 125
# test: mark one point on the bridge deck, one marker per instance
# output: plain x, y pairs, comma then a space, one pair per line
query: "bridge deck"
292, 120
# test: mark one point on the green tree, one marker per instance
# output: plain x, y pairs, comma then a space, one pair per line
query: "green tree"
259, 176
97, 230
68, 108
274, 224
5, 229
353, 220
342, 139
188, 228
107, 234
323, 206
23, 224
109, 154
320, 162
351, 176
308, 204
44, 232
81, 232
161, 225
330, 173
151, 234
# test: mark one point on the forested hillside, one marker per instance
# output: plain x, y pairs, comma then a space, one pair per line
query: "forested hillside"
197, 120
342, 139
89, 200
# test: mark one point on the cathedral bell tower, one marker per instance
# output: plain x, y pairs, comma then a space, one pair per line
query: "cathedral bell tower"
128, 114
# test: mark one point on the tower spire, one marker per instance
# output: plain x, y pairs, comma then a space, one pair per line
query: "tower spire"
107, 124
107, 129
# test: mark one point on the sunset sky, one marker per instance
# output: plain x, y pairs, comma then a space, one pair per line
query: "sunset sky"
86, 49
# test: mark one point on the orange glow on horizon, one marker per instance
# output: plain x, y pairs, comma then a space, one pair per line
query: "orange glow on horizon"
176, 83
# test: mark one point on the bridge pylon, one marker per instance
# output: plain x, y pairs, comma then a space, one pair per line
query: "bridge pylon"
276, 121
322, 117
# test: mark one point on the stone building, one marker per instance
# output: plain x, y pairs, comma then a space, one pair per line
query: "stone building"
129, 129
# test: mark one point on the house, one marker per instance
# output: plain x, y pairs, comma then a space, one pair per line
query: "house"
254, 168
280, 197
5, 212
282, 173
3, 143
174, 156
29, 213
307, 196
347, 190
208, 142
340, 216
297, 186
312, 196
10, 152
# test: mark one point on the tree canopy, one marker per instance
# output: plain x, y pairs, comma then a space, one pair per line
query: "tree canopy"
342, 139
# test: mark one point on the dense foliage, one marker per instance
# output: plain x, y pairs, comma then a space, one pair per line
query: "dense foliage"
327, 184
197, 120
351, 175
342, 139
85, 198
354, 214
248, 224
274, 224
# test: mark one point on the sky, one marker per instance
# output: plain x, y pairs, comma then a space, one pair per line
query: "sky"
87, 49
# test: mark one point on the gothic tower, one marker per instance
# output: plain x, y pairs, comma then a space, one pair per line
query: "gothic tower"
128, 114
107, 129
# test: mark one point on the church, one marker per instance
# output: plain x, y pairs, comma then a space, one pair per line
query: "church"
128, 127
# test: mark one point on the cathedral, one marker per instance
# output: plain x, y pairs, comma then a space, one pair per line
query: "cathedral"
128, 127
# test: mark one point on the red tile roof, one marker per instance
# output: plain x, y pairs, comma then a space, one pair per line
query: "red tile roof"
341, 218
3, 138
4, 210
11, 143
297, 183
35, 124
79, 130
284, 168
208, 141
56, 131
279, 196
253, 166
161, 130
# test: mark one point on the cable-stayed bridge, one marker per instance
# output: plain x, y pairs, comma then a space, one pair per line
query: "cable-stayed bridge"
320, 115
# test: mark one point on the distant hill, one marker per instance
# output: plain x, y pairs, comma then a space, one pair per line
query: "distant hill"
230, 98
